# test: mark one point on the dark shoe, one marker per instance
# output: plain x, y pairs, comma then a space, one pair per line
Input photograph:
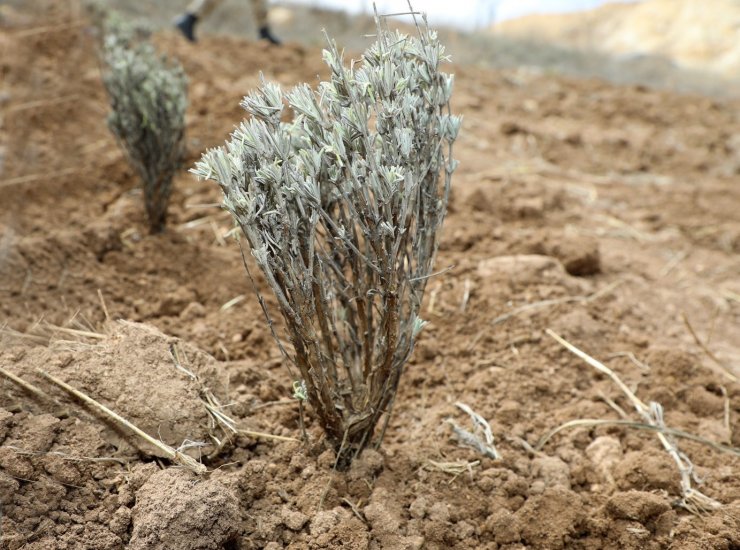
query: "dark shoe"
265, 34
186, 24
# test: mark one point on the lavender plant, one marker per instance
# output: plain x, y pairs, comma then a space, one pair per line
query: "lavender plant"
148, 98
341, 207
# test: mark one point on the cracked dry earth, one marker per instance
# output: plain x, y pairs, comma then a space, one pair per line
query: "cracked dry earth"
606, 214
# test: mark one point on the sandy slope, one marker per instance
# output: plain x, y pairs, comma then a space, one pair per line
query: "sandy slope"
701, 34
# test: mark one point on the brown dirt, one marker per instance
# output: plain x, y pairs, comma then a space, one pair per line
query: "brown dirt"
566, 188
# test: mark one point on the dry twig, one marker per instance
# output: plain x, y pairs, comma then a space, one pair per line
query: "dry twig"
581, 422
652, 415
173, 454
215, 409
723, 369
455, 469
28, 387
536, 306
485, 446
70, 458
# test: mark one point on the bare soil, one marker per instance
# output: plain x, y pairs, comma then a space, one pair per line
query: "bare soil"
615, 210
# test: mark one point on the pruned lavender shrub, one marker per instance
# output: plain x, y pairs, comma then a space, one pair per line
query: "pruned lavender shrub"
148, 98
342, 208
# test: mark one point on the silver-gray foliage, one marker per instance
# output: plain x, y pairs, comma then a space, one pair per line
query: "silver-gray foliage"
148, 98
341, 207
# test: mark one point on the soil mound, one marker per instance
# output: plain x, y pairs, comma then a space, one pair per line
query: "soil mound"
158, 383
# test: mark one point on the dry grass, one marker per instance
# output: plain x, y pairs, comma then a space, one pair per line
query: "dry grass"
28, 387
652, 415
665, 430
455, 468
217, 417
222, 428
173, 454
481, 438
720, 366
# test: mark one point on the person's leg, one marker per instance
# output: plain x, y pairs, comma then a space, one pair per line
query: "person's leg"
197, 9
202, 8
259, 12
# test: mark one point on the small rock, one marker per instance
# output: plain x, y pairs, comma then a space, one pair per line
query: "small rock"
174, 303
579, 324
326, 459
537, 487
324, 521
508, 411
141, 473
604, 452
524, 268
6, 420
511, 128
439, 512
505, 527
464, 530
418, 508
479, 201
384, 512
552, 470
714, 429
120, 521
293, 519
15, 465
428, 350
665, 522
8, 487
515, 485
414, 542
102, 238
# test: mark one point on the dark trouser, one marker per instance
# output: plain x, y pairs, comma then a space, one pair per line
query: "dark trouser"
201, 9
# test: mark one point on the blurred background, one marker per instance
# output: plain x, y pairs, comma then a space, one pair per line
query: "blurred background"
683, 45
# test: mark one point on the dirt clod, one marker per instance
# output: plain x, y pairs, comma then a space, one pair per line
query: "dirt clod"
637, 505
550, 520
647, 470
176, 510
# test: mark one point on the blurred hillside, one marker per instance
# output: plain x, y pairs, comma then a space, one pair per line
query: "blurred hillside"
698, 34
304, 24
558, 44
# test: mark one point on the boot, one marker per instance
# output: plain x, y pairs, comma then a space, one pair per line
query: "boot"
186, 23
266, 34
